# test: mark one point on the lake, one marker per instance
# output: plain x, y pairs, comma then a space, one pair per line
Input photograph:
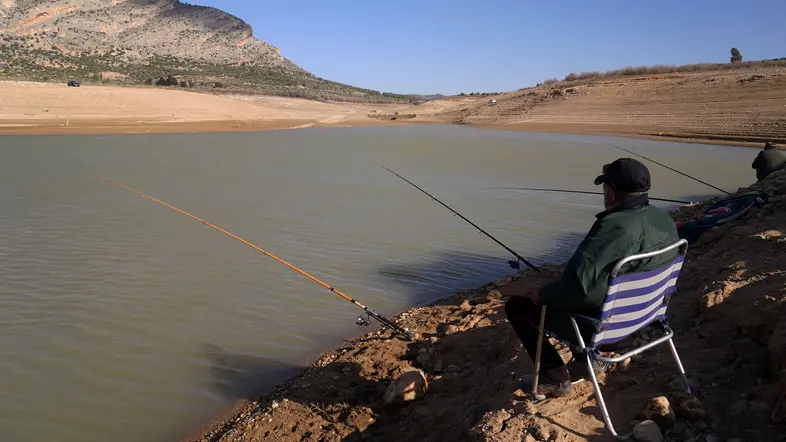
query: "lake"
123, 320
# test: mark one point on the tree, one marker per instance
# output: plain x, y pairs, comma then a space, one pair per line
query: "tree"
736, 56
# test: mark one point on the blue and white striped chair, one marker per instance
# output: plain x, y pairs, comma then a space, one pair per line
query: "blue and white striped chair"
633, 302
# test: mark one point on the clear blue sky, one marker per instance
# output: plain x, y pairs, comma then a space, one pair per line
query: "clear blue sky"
453, 46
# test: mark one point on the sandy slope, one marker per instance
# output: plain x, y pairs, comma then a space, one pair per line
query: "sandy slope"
733, 106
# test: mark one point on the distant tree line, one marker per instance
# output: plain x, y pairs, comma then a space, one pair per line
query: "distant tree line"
478, 94
170, 80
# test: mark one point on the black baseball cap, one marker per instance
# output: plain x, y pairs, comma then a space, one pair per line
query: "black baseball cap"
625, 175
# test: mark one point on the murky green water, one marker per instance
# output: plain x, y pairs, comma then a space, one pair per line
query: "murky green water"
123, 320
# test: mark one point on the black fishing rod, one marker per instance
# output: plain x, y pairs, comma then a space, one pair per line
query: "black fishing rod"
584, 192
513, 264
673, 170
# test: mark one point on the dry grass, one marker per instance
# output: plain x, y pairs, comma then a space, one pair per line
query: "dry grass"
670, 69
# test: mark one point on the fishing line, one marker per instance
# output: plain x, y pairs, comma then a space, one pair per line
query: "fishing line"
514, 264
674, 170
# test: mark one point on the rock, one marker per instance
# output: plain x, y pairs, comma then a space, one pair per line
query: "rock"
542, 432
530, 438
678, 386
438, 366
713, 438
423, 359
451, 329
433, 339
503, 282
779, 412
624, 365
453, 369
679, 427
423, 350
647, 431
465, 306
759, 407
688, 407
776, 349
739, 408
411, 385
659, 410
494, 294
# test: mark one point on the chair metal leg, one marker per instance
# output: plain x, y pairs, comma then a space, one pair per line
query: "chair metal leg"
601, 402
679, 366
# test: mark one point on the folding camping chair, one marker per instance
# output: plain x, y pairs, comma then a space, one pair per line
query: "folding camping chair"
633, 302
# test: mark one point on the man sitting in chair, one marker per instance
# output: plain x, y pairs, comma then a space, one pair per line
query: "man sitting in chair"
628, 226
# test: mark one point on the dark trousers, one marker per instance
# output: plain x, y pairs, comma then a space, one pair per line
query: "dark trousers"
524, 316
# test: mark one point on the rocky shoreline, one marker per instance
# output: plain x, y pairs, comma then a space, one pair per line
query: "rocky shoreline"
459, 379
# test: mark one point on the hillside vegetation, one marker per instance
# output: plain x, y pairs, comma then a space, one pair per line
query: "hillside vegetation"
138, 42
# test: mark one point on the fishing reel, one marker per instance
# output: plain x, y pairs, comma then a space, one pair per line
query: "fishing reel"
363, 322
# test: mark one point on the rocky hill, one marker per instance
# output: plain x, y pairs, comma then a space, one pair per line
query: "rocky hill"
137, 40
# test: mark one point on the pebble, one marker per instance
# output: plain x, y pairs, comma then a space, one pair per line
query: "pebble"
647, 431
438, 366
423, 359
433, 339
465, 306
453, 369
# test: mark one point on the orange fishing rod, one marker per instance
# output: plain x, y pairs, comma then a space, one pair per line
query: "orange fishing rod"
360, 321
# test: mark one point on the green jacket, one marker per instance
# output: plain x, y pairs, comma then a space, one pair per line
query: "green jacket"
631, 227
767, 162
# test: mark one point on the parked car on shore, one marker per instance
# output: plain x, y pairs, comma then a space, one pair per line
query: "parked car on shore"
73, 83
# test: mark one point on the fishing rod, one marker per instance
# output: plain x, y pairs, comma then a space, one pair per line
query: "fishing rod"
585, 192
513, 264
360, 320
674, 170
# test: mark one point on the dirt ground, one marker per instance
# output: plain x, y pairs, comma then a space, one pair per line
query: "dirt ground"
730, 296
743, 107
